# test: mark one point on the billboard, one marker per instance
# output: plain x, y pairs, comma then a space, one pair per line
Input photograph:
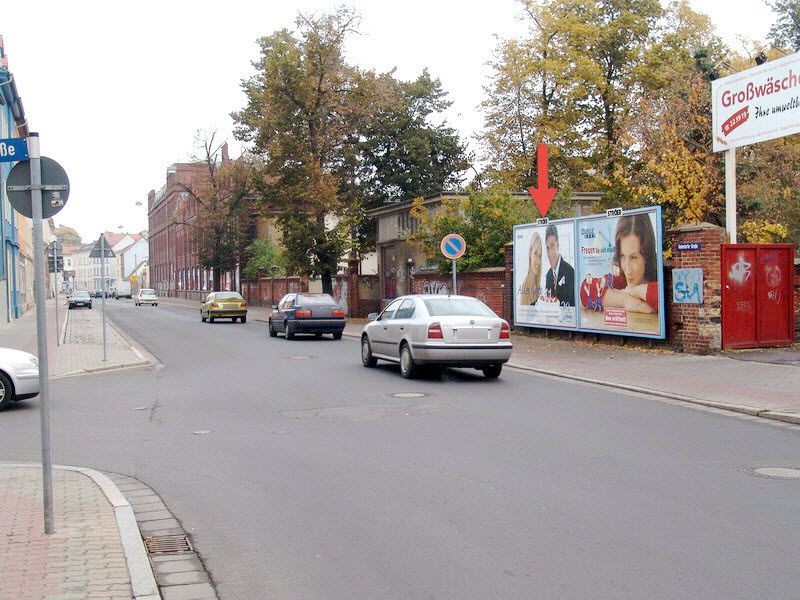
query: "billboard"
599, 273
544, 274
759, 104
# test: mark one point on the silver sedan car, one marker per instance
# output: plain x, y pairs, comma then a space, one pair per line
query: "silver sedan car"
437, 331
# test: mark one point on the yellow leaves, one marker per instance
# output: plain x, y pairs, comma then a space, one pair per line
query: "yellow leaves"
762, 231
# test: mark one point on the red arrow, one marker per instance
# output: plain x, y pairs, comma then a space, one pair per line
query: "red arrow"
543, 196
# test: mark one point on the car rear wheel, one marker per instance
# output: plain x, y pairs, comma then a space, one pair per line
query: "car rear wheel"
337, 335
243, 319
6, 391
407, 367
289, 329
210, 319
271, 330
366, 353
202, 318
492, 371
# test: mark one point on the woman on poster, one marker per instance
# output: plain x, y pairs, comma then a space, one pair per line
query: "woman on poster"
530, 289
635, 257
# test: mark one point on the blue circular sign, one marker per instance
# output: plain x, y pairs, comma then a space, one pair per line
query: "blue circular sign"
453, 246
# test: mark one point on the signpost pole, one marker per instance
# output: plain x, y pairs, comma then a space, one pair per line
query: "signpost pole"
730, 194
455, 289
103, 287
41, 328
55, 287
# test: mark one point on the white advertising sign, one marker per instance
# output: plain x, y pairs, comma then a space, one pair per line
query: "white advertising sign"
759, 104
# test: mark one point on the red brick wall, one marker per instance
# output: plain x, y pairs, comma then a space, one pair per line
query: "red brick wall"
696, 328
268, 291
487, 285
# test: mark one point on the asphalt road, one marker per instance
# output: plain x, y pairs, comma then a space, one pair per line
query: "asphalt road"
299, 476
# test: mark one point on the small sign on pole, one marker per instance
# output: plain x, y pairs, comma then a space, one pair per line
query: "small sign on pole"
453, 247
13, 149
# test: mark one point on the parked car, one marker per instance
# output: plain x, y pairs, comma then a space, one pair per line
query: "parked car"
80, 298
307, 313
19, 376
146, 296
437, 332
224, 305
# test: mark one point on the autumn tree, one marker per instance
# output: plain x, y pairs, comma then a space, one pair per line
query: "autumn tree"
217, 209
335, 138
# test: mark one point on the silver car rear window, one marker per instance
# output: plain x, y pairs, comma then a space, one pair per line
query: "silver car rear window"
442, 307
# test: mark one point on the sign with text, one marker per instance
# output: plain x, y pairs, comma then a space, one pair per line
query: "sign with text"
600, 273
619, 274
758, 104
13, 149
544, 276
689, 246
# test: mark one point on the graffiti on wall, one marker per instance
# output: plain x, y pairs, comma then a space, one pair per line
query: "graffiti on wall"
687, 286
740, 271
340, 293
435, 287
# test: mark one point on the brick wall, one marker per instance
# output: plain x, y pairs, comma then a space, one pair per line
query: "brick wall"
696, 328
487, 285
267, 291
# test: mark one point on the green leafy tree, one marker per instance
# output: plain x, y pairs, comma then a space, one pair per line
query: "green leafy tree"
265, 257
403, 154
785, 32
485, 220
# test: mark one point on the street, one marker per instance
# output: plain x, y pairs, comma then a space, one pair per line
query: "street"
299, 475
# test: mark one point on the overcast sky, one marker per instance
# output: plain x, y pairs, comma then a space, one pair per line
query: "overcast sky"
118, 90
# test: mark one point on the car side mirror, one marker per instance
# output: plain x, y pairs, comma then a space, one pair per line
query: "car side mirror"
372, 316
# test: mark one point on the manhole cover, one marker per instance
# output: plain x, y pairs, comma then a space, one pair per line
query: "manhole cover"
778, 472
408, 395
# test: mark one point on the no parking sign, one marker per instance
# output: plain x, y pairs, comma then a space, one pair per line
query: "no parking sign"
453, 246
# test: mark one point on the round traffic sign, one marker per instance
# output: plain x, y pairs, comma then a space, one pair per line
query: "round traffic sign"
453, 246
54, 181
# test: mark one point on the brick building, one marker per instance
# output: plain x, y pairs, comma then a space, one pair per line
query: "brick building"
174, 269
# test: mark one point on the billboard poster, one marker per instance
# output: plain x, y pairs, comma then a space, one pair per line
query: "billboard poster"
619, 273
544, 274
758, 104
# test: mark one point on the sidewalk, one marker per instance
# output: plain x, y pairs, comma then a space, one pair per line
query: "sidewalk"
95, 551
81, 331
758, 383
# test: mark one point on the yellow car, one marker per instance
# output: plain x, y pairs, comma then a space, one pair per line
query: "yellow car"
224, 305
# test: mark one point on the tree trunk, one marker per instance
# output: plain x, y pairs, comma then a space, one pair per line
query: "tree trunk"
327, 283
217, 276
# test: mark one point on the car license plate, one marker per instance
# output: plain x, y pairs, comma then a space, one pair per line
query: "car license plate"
230, 306
472, 333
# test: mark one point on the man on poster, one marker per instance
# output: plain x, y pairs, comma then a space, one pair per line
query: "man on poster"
559, 282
